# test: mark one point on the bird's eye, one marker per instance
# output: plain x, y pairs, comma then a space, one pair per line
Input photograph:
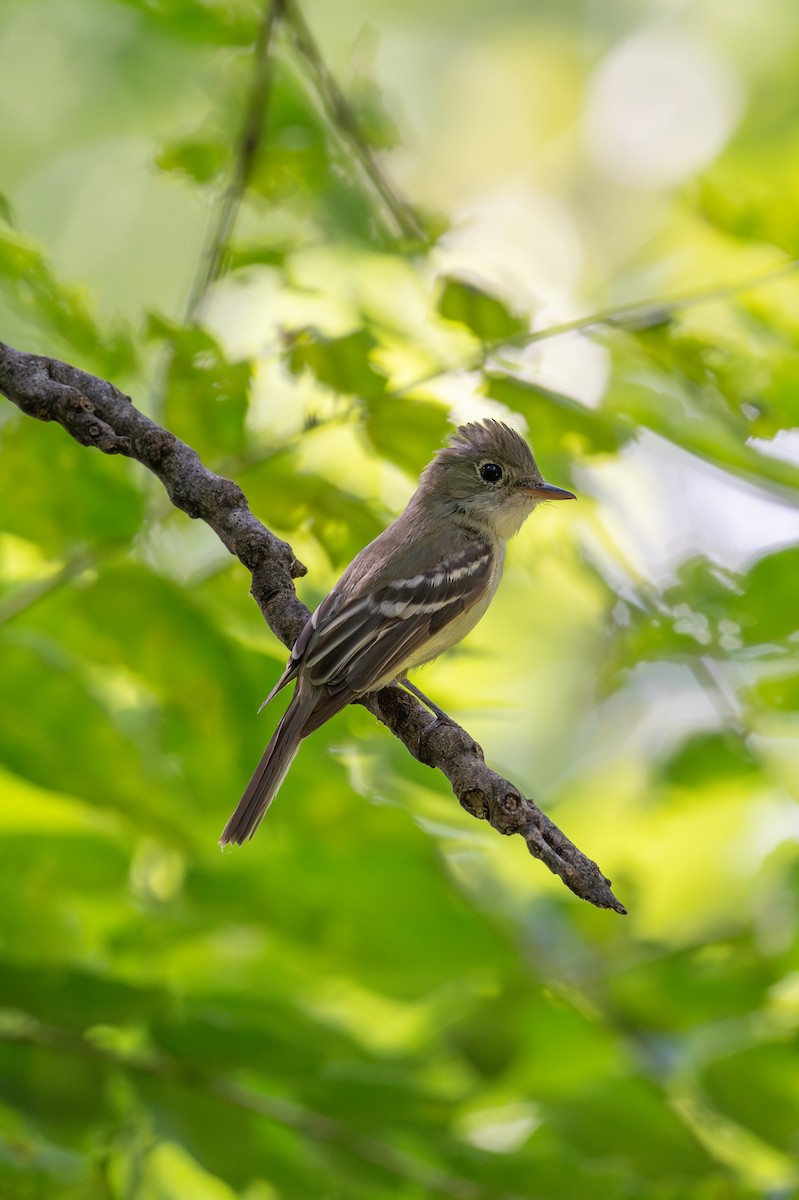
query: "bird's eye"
491, 473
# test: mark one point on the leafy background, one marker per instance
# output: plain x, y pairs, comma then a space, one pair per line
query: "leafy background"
380, 997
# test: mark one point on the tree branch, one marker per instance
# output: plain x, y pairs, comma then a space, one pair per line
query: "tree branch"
97, 414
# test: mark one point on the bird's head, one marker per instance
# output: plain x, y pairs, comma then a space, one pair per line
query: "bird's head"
489, 474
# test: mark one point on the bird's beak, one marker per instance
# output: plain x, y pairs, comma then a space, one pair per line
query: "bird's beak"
543, 491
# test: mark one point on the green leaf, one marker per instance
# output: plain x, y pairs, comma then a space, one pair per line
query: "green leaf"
72, 1104
689, 987
406, 432
625, 1119
774, 397
753, 199
259, 253
561, 428
36, 667
708, 757
294, 156
346, 212
33, 288
207, 394
76, 998
200, 159
6, 212
343, 364
287, 500
758, 608
739, 364
719, 613
471, 304
65, 496
184, 677
758, 1086
218, 22
375, 124
698, 420
781, 693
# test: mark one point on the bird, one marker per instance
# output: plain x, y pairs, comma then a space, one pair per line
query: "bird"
412, 593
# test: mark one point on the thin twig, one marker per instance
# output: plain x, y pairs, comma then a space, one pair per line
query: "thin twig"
96, 414
642, 315
248, 145
223, 221
342, 118
708, 674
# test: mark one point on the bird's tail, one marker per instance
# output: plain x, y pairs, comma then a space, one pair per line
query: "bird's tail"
271, 770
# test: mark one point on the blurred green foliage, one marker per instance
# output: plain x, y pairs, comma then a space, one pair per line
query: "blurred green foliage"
379, 997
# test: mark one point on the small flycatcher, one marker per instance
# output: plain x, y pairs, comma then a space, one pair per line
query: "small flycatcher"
413, 592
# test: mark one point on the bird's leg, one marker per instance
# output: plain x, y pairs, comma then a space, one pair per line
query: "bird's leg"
439, 712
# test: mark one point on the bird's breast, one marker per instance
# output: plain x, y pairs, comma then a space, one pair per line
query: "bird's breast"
456, 629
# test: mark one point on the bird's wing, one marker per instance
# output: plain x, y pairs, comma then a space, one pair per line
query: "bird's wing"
372, 635
298, 649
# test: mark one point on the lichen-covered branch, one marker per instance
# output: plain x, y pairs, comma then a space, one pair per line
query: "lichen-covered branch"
97, 414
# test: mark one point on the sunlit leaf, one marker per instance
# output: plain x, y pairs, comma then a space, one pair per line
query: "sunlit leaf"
206, 394
217, 21
63, 311
203, 161
294, 157
343, 364
472, 304
406, 432
374, 120
342, 522
560, 425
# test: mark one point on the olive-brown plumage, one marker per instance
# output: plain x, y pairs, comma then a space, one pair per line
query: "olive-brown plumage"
413, 592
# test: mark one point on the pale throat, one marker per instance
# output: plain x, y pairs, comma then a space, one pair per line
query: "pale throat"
509, 517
